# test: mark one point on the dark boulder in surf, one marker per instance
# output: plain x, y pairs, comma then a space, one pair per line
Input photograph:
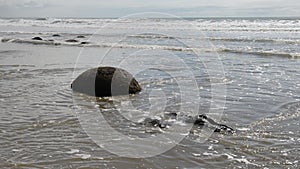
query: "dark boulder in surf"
72, 40
106, 81
85, 43
80, 36
56, 35
37, 38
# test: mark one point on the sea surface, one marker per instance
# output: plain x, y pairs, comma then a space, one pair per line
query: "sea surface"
242, 72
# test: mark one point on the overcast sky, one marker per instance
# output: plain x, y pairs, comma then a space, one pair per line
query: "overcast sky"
119, 8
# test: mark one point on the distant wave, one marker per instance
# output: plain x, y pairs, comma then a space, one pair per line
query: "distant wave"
90, 44
261, 53
152, 36
241, 25
162, 47
250, 29
35, 42
285, 41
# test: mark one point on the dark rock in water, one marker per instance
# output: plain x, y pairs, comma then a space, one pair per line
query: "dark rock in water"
37, 38
106, 81
85, 43
80, 36
171, 115
5, 40
56, 35
72, 40
41, 19
198, 121
152, 122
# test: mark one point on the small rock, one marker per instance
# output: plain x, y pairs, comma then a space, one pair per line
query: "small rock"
5, 40
41, 19
37, 38
85, 43
56, 35
72, 40
80, 36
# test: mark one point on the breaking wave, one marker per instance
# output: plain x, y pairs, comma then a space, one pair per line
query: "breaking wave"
160, 47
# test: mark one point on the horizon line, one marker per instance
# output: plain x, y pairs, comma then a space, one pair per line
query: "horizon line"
185, 17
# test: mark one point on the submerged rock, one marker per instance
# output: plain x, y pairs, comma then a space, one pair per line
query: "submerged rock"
106, 81
37, 38
198, 121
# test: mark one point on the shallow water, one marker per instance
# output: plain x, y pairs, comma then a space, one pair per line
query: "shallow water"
40, 127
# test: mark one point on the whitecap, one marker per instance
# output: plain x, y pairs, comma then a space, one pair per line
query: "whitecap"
16, 150
83, 156
243, 129
208, 154
196, 155
72, 151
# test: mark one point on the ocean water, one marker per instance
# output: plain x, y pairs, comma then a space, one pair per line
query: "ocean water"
242, 72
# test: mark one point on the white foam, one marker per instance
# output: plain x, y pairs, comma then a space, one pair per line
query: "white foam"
72, 151
196, 155
83, 156
203, 24
241, 160
208, 154
16, 150
243, 129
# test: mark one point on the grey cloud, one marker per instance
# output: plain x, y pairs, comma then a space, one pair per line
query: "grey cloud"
117, 8
34, 4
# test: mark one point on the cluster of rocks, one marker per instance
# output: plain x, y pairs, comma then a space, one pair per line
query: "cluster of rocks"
68, 40
110, 81
198, 121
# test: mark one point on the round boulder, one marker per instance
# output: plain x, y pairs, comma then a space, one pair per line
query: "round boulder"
72, 40
56, 35
36, 38
80, 36
106, 81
